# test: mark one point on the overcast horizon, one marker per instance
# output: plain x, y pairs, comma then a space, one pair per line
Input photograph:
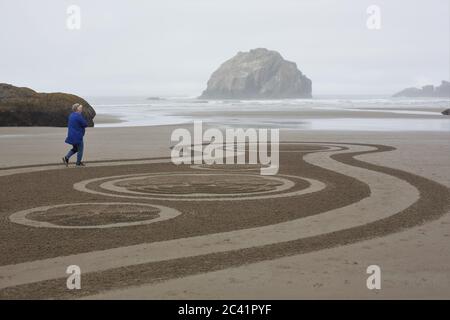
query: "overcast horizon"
171, 47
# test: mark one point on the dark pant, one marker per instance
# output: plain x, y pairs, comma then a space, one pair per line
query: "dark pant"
78, 149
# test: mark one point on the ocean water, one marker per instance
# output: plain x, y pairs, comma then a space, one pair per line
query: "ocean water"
321, 113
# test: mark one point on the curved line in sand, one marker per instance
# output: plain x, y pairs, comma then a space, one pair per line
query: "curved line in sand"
20, 217
314, 186
385, 189
110, 185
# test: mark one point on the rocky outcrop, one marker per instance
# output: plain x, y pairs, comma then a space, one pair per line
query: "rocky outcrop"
26, 107
446, 112
257, 74
443, 90
426, 91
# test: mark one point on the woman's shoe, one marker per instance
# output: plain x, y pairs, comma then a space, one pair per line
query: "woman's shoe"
81, 164
65, 161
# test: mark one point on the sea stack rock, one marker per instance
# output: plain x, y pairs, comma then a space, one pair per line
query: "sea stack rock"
442, 91
257, 74
26, 107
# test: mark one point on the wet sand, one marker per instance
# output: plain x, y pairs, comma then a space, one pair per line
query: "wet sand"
384, 202
106, 118
379, 113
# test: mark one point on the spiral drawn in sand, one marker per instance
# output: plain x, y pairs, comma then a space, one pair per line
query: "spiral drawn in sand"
93, 215
195, 186
181, 220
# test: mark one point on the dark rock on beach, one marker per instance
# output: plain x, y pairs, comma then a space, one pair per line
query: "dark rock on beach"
26, 107
446, 112
257, 74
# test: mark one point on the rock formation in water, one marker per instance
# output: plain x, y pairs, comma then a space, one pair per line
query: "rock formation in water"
26, 107
257, 74
426, 91
446, 112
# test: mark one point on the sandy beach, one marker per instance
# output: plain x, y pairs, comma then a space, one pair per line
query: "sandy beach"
196, 155
352, 199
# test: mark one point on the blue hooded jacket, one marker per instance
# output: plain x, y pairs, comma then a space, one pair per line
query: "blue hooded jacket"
76, 128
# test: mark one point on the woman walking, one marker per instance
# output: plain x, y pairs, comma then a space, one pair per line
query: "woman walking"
76, 130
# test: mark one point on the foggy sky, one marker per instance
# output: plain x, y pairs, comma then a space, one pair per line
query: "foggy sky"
171, 47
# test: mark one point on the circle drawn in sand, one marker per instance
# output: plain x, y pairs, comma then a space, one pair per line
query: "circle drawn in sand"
92, 215
199, 186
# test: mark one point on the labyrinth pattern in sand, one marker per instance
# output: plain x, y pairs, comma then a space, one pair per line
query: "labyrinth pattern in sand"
128, 223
